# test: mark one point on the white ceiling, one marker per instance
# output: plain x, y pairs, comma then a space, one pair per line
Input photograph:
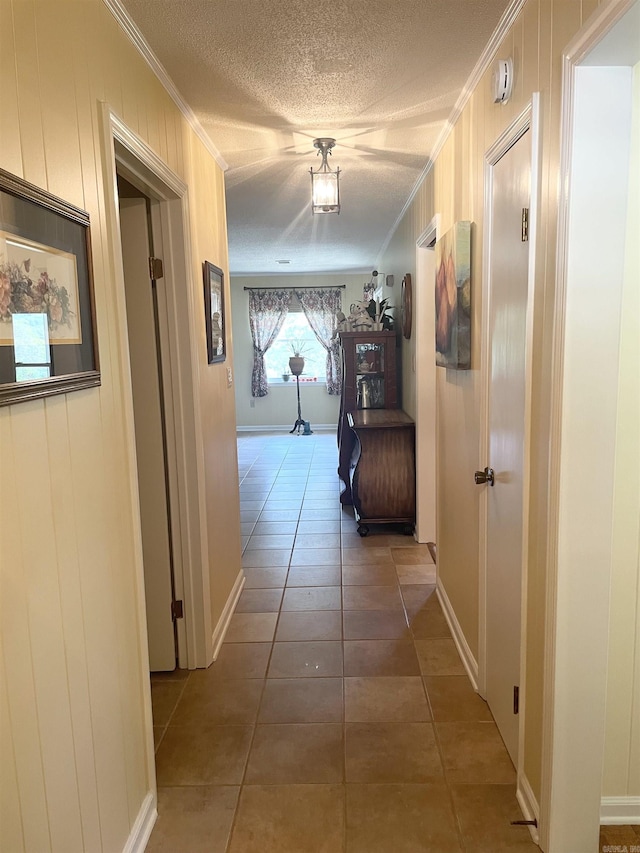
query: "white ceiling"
266, 77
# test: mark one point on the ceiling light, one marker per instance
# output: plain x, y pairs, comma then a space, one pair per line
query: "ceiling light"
325, 183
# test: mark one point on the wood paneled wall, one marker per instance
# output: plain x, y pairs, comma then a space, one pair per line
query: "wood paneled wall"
76, 760
454, 189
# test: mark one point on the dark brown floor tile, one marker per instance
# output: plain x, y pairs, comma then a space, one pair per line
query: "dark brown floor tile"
289, 819
315, 557
369, 575
314, 576
453, 699
619, 837
380, 657
439, 657
416, 596
301, 700
164, 698
174, 675
400, 819
385, 700
411, 555
270, 541
222, 703
271, 558
306, 660
296, 753
158, 733
312, 598
429, 623
265, 578
375, 625
366, 556
259, 601
241, 660
485, 813
474, 753
411, 574
371, 598
197, 755
251, 627
309, 625
195, 819
392, 752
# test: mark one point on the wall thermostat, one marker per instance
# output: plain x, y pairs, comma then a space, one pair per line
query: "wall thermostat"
502, 80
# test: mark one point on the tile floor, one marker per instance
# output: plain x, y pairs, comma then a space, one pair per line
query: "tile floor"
338, 717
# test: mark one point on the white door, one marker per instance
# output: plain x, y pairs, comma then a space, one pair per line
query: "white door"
149, 434
508, 289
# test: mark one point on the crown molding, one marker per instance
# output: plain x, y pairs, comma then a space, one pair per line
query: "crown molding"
142, 46
504, 25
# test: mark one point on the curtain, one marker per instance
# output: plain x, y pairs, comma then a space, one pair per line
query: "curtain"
320, 305
267, 312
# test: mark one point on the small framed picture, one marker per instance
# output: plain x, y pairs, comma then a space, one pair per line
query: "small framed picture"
48, 339
214, 313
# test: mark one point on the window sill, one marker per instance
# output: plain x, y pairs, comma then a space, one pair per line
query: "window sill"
292, 382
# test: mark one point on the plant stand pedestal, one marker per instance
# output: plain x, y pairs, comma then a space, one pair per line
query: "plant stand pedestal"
299, 420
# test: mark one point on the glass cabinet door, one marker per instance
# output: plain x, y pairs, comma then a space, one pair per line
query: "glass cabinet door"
370, 382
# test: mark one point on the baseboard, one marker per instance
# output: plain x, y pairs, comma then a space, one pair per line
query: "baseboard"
141, 830
468, 660
220, 630
620, 811
529, 805
284, 428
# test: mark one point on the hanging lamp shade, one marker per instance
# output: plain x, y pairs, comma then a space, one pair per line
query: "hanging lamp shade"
325, 183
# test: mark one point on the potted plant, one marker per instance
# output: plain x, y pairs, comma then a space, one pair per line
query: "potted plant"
296, 362
286, 376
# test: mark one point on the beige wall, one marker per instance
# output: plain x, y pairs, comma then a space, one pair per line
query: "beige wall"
621, 776
279, 407
76, 762
454, 190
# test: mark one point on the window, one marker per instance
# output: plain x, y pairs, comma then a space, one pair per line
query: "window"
296, 328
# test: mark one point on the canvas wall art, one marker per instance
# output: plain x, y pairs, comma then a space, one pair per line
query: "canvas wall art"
453, 298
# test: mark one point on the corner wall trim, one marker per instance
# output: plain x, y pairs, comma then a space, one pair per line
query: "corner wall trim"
225, 617
141, 830
491, 48
468, 660
529, 805
134, 35
620, 811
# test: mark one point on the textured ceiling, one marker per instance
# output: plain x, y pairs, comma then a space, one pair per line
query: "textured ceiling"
266, 77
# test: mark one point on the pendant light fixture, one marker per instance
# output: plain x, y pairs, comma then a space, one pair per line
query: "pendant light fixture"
325, 183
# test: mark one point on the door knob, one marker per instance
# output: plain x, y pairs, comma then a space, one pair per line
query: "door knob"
485, 476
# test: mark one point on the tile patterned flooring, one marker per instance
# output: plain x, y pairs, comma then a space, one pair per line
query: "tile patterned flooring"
338, 717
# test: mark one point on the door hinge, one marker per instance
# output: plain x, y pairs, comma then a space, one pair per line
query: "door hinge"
156, 270
525, 224
516, 699
177, 611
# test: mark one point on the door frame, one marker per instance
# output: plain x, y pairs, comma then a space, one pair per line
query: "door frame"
577, 627
527, 121
125, 152
423, 334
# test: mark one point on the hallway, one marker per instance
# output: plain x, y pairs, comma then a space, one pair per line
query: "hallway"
338, 716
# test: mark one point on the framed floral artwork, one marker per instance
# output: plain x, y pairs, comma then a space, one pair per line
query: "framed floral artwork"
214, 313
47, 319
